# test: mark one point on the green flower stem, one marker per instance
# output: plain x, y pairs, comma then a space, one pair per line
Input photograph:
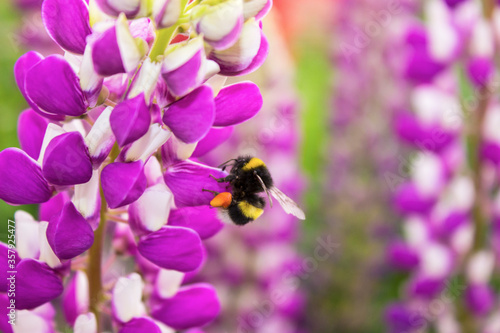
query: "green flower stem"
164, 36
94, 266
94, 273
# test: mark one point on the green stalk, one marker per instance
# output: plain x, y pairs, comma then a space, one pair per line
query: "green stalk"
164, 36
94, 273
94, 265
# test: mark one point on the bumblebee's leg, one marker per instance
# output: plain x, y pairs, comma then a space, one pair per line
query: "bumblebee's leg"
213, 192
227, 179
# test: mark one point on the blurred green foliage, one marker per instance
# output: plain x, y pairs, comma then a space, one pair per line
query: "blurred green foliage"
314, 73
11, 99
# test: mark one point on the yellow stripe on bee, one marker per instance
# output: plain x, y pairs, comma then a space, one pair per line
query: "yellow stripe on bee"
249, 210
253, 163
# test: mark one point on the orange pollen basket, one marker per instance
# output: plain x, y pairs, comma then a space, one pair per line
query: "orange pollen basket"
222, 200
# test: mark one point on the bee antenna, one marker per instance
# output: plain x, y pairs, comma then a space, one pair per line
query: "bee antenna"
265, 189
226, 163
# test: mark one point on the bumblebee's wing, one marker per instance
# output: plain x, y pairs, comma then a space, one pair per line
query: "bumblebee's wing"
288, 204
265, 189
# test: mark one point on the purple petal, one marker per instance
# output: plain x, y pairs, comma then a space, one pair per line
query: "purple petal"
69, 234
192, 306
106, 54
480, 299
174, 248
201, 219
67, 161
237, 103
9, 260
186, 77
67, 23
246, 55
53, 206
256, 62
480, 70
30, 131
401, 256
187, 180
123, 183
409, 200
55, 88
22, 66
401, 319
30, 295
130, 120
425, 287
75, 298
421, 67
21, 178
191, 117
212, 140
491, 151
140, 325
453, 3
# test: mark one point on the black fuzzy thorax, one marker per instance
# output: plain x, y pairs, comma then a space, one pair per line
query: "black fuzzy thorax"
246, 181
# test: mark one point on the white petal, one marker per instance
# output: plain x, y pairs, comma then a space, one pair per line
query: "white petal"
146, 81
89, 79
27, 238
82, 290
29, 322
482, 41
253, 7
170, 14
76, 125
428, 174
480, 267
124, 5
246, 48
153, 172
100, 136
47, 255
85, 197
443, 39
145, 146
416, 231
219, 20
168, 282
127, 295
51, 132
164, 328
74, 60
85, 323
129, 50
178, 54
216, 83
153, 207
435, 260
492, 124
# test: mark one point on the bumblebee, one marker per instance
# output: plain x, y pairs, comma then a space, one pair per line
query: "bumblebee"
248, 178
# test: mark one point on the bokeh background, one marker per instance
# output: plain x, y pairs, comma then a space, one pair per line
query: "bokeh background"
343, 196
344, 147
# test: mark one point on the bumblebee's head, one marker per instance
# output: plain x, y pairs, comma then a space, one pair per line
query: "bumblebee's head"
223, 200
